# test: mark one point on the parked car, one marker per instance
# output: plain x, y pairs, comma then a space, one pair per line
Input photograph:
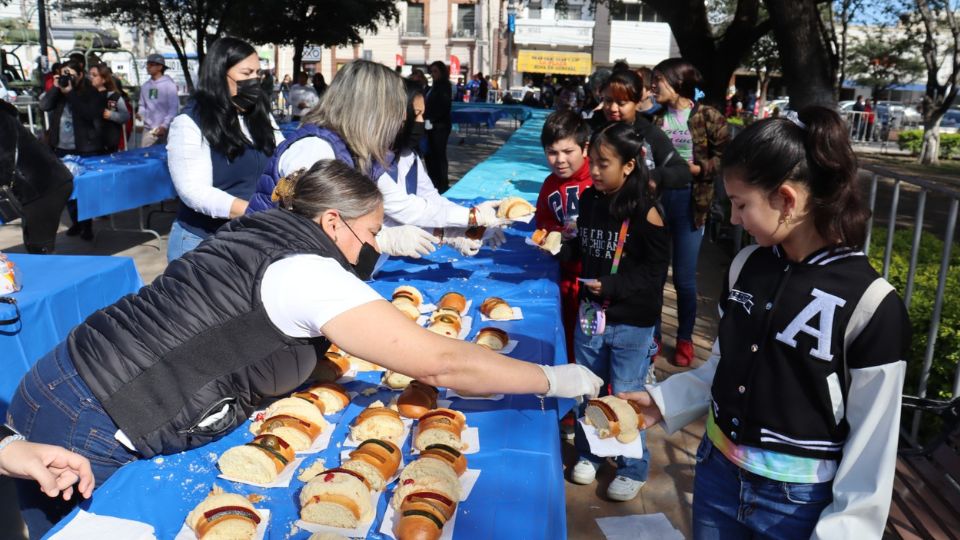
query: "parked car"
780, 103
845, 106
896, 114
950, 123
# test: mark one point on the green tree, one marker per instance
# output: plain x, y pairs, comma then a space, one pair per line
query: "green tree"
883, 59
764, 60
326, 23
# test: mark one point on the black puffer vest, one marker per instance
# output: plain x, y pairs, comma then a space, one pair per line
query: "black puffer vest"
198, 338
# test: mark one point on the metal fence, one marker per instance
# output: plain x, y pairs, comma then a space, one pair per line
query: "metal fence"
914, 203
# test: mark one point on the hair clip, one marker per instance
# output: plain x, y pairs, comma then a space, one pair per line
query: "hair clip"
698, 94
793, 117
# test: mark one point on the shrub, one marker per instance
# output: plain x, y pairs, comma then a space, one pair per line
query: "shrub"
946, 352
912, 140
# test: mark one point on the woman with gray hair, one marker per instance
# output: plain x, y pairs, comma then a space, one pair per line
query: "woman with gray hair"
358, 121
258, 302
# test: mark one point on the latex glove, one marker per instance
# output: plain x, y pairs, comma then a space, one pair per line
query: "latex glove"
571, 381
496, 238
457, 239
486, 214
406, 241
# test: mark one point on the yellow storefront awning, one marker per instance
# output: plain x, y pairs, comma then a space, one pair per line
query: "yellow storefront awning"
554, 63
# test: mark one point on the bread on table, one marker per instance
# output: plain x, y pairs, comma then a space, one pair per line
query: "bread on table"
426, 475
337, 498
331, 367
614, 417
514, 207
419, 520
440, 426
329, 397
299, 433
454, 301
259, 461
224, 516
445, 329
378, 423
452, 456
446, 506
496, 308
297, 407
539, 236
376, 460
408, 300
416, 399
397, 381
326, 536
492, 338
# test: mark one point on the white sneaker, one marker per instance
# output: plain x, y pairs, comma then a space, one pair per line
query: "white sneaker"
623, 488
584, 472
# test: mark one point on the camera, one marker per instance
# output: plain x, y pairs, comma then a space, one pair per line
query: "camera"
64, 81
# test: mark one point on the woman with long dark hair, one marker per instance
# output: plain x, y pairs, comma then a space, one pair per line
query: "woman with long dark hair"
116, 114
802, 392
438, 124
220, 143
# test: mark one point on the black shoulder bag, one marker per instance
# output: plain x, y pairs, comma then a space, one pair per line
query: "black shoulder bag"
10, 206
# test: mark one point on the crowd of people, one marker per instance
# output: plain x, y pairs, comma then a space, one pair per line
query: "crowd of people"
276, 236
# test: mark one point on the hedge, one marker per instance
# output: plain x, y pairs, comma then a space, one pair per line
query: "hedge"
947, 349
912, 140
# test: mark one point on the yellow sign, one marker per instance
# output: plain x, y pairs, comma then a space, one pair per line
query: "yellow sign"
555, 63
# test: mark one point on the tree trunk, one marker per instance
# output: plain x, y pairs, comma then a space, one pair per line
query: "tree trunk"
807, 66
298, 45
157, 12
930, 151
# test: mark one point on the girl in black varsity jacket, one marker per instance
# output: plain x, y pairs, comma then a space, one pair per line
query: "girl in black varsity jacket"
802, 391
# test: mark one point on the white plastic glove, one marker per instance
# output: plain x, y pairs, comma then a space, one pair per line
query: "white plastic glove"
571, 381
406, 241
494, 237
457, 239
486, 214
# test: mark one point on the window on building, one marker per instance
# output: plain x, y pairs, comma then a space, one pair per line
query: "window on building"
415, 19
466, 17
635, 12
534, 9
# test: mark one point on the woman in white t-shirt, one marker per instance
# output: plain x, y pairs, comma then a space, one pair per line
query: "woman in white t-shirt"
189, 357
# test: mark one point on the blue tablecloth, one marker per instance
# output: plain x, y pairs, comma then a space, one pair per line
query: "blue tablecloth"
58, 293
122, 181
520, 492
520, 112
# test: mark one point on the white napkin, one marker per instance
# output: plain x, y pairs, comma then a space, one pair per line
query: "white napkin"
321, 442
282, 480
87, 526
186, 533
522, 219
639, 526
360, 531
517, 316
451, 393
470, 437
529, 241
611, 447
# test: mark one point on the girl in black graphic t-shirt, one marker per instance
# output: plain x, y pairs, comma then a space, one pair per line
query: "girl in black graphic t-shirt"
622, 278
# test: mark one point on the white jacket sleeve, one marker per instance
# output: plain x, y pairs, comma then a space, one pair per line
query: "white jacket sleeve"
428, 191
303, 154
863, 485
188, 158
685, 397
407, 209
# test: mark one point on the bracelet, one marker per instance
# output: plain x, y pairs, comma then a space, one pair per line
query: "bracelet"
472, 220
8, 436
438, 232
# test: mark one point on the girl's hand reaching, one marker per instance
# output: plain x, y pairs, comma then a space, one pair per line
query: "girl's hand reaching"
651, 413
594, 286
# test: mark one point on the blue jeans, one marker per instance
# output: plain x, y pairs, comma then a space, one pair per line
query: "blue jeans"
621, 357
181, 241
53, 405
731, 503
686, 247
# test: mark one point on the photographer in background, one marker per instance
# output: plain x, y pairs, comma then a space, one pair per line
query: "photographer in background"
76, 122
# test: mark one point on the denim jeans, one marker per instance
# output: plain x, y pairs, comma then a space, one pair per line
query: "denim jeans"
53, 405
686, 247
731, 503
181, 241
620, 356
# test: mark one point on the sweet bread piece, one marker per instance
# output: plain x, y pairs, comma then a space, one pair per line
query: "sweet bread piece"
496, 308
452, 456
327, 536
378, 423
330, 397
446, 506
492, 338
259, 461
330, 368
421, 519
377, 460
224, 516
417, 399
422, 475
337, 498
397, 381
614, 417
441, 426
454, 301
539, 236
408, 300
299, 433
445, 329
298, 407
514, 207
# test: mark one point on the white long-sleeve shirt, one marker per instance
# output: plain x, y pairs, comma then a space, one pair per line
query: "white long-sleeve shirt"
426, 208
191, 168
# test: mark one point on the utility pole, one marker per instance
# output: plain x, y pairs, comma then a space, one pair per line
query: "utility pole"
42, 24
511, 27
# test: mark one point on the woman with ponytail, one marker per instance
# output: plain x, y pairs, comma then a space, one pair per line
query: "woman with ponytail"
623, 247
802, 391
